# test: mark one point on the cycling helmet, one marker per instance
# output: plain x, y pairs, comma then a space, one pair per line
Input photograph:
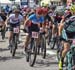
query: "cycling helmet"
72, 8
45, 3
14, 7
39, 11
16, 11
45, 10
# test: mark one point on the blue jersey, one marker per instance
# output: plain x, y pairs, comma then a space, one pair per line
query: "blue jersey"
36, 20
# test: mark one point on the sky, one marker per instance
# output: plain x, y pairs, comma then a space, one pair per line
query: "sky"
7, 1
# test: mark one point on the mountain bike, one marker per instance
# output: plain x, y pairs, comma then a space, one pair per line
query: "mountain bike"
14, 41
31, 52
42, 46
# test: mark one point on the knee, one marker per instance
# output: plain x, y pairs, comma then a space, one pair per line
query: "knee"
66, 47
53, 26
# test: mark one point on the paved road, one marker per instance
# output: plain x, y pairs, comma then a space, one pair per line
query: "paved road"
19, 62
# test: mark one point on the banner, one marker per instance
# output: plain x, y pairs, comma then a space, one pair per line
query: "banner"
24, 3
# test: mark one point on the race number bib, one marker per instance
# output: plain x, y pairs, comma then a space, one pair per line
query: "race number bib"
34, 34
16, 30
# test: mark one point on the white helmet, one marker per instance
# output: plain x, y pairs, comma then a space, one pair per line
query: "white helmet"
14, 7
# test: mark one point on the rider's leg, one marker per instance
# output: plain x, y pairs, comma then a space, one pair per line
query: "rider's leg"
46, 32
10, 37
27, 42
53, 30
65, 50
10, 34
60, 28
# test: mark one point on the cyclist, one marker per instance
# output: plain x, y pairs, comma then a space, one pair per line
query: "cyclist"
2, 22
70, 32
36, 19
14, 20
47, 20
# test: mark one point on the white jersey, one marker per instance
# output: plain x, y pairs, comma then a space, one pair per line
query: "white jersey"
14, 20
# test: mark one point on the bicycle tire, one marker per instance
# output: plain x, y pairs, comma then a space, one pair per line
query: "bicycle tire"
11, 49
59, 49
54, 40
52, 44
38, 50
14, 46
34, 50
27, 53
43, 47
49, 36
27, 56
14, 51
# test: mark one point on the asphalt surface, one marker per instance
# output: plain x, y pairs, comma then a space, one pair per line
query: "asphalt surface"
19, 61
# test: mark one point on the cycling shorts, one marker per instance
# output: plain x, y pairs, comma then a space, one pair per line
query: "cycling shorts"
70, 35
33, 27
13, 25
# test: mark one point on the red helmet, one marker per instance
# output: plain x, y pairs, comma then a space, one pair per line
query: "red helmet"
45, 10
39, 11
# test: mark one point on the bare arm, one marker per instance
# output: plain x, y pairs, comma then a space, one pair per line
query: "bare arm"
25, 22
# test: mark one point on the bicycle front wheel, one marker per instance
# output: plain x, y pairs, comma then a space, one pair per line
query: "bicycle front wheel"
14, 46
33, 53
43, 46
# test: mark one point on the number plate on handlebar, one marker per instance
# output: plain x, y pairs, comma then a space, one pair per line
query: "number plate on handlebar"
35, 34
16, 30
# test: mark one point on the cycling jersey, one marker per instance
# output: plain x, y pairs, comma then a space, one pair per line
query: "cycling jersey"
57, 19
70, 27
36, 20
14, 20
47, 17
